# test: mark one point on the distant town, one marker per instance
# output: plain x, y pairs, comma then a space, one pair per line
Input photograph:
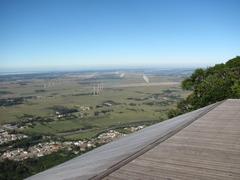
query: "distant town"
41, 149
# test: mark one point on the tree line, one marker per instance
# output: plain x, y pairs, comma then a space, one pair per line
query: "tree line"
210, 85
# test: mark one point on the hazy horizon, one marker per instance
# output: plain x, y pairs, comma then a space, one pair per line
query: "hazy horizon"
92, 68
41, 68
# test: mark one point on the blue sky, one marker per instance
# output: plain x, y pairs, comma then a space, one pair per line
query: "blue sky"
58, 34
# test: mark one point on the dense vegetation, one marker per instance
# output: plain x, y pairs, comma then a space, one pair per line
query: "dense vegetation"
4, 92
63, 110
18, 170
210, 85
11, 101
14, 101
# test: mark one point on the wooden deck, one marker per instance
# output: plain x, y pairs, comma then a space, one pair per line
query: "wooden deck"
209, 148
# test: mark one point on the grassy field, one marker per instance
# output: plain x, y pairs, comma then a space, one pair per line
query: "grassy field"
134, 102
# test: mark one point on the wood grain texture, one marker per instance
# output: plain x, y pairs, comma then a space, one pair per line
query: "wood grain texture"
209, 148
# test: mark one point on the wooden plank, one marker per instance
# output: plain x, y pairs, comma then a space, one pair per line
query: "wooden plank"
209, 148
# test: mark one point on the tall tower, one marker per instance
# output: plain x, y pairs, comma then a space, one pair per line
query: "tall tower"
97, 88
94, 90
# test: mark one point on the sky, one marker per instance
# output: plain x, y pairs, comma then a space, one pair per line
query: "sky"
65, 34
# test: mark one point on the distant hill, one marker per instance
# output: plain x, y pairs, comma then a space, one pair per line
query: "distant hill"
210, 85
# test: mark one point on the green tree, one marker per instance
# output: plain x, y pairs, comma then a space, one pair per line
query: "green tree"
210, 85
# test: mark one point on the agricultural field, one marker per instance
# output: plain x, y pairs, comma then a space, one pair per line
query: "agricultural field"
49, 118
81, 105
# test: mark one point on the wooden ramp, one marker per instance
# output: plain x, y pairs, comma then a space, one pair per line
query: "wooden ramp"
209, 148
203, 144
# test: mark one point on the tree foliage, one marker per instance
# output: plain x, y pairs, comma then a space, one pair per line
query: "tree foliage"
210, 85
17, 170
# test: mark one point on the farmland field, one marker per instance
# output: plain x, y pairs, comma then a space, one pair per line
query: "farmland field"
80, 105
